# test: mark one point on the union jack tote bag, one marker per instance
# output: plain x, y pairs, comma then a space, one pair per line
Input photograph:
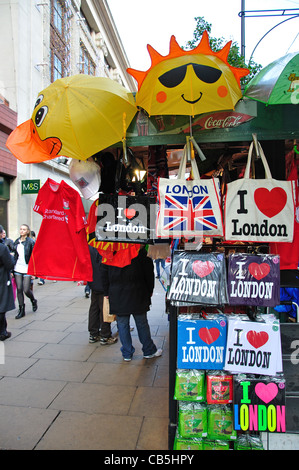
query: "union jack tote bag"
259, 210
189, 208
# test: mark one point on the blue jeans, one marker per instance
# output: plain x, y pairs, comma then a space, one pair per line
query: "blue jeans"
144, 335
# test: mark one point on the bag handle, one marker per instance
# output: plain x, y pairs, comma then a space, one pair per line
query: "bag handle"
183, 165
263, 158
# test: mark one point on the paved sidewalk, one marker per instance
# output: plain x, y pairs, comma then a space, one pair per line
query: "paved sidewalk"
58, 392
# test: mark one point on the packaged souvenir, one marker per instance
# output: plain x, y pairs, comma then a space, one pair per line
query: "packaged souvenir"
215, 445
248, 442
220, 422
219, 387
181, 443
190, 385
192, 420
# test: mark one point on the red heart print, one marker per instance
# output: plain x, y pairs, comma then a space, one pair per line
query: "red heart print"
266, 392
270, 202
202, 268
257, 339
208, 335
258, 271
130, 213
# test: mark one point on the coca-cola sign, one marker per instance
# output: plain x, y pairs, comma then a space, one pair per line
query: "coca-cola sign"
222, 120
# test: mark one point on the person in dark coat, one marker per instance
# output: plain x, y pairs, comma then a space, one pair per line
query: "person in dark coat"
7, 303
98, 329
129, 290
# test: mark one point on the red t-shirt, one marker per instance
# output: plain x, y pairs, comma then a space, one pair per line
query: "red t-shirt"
61, 251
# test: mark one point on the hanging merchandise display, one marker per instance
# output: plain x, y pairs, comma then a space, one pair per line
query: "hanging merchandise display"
113, 253
125, 218
259, 210
253, 280
61, 250
188, 207
253, 347
259, 403
198, 278
86, 175
201, 343
75, 117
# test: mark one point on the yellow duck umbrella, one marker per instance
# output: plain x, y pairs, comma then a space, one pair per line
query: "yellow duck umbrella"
188, 82
75, 117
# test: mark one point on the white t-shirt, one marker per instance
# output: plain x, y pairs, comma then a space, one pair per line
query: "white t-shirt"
21, 266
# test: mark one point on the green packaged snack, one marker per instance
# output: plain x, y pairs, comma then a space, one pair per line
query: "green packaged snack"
248, 442
189, 385
180, 443
215, 445
193, 420
220, 422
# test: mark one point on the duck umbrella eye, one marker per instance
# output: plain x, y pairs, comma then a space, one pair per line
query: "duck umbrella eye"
40, 115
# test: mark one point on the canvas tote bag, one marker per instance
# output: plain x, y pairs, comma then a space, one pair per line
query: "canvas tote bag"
188, 208
259, 210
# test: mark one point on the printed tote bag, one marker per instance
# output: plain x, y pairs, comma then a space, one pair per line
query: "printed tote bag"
259, 210
188, 208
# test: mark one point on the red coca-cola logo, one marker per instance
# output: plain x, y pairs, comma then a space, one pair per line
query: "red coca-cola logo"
222, 120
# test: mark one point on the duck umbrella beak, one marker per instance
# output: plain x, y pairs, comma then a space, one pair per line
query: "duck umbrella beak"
26, 145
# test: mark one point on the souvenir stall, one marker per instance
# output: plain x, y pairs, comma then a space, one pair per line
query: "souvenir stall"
199, 172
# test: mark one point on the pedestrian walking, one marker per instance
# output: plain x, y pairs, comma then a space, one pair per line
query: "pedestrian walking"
23, 246
99, 330
7, 303
129, 290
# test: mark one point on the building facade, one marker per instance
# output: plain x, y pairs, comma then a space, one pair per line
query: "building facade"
41, 41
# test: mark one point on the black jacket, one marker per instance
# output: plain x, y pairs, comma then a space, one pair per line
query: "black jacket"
130, 288
28, 247
6, 293
98, 271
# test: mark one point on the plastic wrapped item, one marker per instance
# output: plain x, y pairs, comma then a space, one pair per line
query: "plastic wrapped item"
181, 443
201, 342
248, 442
192, 420
198, 278
219, 387
190, 385
220, 422
215, 445
253, 279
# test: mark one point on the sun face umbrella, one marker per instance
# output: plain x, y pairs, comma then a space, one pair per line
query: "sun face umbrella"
188, 82
277, 83
75, 117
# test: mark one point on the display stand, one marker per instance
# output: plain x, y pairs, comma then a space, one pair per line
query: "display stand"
174, 311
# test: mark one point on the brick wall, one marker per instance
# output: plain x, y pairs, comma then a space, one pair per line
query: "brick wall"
8, 121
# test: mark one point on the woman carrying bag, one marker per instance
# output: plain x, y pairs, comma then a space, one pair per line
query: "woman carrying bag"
23, 246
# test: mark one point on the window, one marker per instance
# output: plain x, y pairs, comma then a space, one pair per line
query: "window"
86, 64
57, 67
58, 16
59, 39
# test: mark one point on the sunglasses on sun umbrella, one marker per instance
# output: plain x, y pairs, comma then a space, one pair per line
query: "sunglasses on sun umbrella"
175, 76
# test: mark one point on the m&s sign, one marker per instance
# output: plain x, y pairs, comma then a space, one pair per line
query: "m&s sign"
30, 186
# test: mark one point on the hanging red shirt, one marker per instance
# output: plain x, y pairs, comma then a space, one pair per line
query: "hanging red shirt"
61, 251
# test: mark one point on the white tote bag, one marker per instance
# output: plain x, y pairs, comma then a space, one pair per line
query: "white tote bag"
189, 208
259, 210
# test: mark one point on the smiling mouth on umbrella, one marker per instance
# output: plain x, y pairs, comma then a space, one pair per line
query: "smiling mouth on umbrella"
193, 101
